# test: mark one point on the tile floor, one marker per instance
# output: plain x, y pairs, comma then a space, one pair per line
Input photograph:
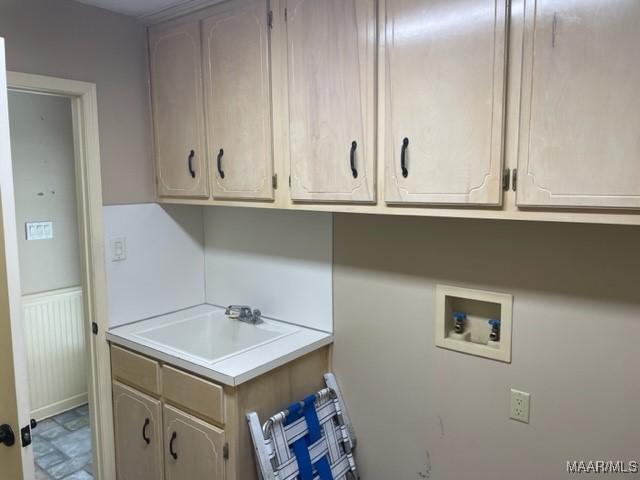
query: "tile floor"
62, 446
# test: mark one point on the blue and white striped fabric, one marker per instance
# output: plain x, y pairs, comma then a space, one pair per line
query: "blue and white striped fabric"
310, 441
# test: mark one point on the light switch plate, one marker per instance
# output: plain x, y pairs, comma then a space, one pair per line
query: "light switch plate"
118, 249
38, 230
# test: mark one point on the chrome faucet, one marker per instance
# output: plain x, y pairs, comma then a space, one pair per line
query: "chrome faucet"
244, 313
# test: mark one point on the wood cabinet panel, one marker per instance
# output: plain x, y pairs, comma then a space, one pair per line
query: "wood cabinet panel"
197, 395
444, 72
138, 435
136, 370
238, 95
178, 115
193, 448
268, 394
330, 62
203, 450
579, 137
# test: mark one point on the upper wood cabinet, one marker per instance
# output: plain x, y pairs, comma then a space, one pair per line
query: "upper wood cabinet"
178, 115
331, 78
238, 98
580, 122
444, 76
138, 434
344, 97
193, 448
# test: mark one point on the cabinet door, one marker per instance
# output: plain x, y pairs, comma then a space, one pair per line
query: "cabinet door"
138, 435
238, 93
444, 101
178, 115
193, 448
330, 49
580, 126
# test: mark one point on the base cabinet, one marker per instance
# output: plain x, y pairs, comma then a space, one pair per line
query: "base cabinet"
193, 448
138, 434
195, 429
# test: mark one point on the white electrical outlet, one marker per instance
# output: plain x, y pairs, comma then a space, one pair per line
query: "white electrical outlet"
520, 405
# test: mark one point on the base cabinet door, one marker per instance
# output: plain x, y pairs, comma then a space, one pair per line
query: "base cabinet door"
238, 92
178, 113
444, 77
331, 78
193, 448
580, 127
138, 435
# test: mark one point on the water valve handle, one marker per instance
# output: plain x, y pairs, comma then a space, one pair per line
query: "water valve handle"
495, 330
459, 315
459, 318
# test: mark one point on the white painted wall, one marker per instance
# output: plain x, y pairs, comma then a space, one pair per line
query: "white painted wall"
44, 176
164, 269
422, 412
277, 261
67, 39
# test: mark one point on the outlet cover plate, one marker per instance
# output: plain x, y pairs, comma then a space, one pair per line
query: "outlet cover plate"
520, 402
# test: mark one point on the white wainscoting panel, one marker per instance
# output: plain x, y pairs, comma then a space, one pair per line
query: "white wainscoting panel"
277, 261
56, 354
164, 268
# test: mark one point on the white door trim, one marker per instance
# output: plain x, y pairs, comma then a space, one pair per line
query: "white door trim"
89, 193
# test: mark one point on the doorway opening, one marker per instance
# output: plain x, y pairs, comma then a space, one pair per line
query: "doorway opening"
62, 372
53, 320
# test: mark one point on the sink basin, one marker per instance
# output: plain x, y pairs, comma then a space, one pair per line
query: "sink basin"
213, 336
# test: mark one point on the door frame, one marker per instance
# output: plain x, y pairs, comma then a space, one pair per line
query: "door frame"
84, 106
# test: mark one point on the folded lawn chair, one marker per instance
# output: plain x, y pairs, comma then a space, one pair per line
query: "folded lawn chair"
311, 440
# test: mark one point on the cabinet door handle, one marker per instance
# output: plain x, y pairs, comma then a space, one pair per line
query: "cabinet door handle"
403, 157
220, 171
174, 435
352, 158
144, 431
190, 163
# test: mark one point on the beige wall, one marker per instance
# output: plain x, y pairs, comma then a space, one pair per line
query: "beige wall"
44, 182
424, 412
63, 38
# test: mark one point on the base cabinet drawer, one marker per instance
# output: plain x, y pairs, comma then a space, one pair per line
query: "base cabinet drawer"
193, 394
138, 434
135, 370
193, 449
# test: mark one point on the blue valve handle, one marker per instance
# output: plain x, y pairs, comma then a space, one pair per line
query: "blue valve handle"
494, 323
459, 315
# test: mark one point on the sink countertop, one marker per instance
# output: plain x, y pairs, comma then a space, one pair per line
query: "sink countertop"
229, 370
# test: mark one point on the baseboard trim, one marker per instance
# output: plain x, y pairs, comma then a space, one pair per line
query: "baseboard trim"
60, 407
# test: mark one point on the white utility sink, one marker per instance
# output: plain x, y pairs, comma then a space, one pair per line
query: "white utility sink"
212, 336
203, 340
